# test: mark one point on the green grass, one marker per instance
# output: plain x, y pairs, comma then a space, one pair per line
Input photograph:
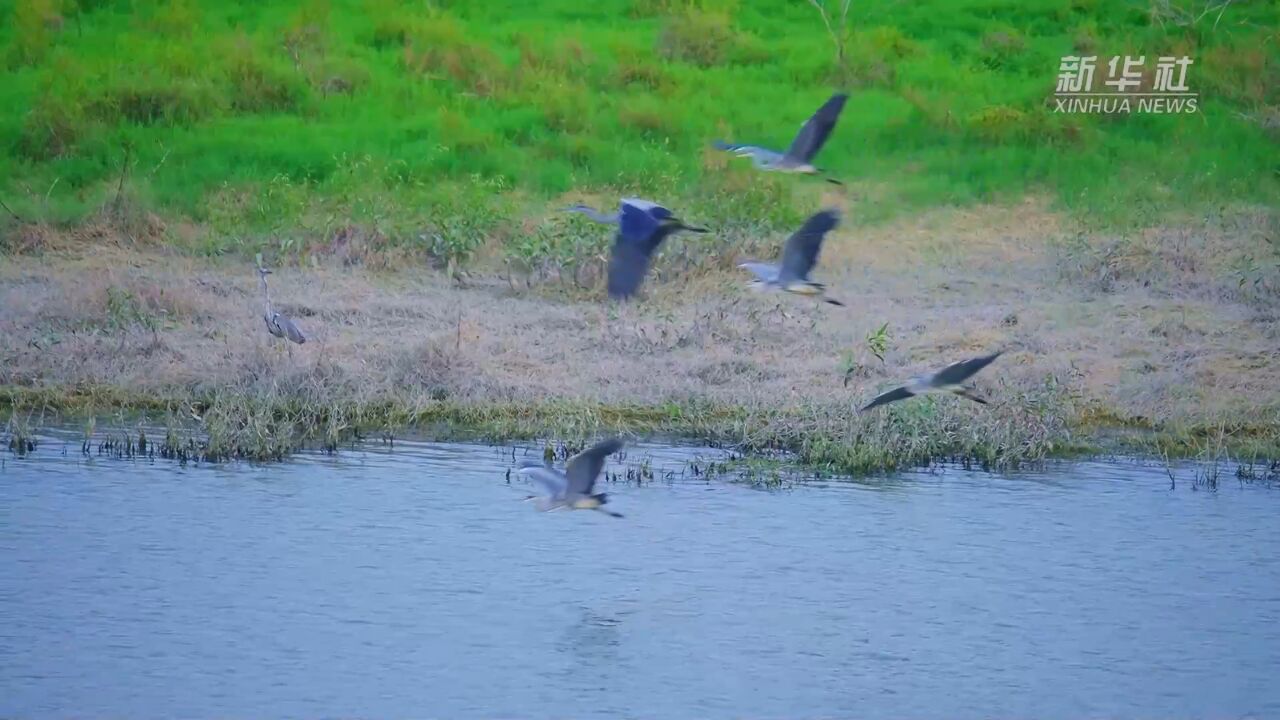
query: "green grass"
321, 411
441, 124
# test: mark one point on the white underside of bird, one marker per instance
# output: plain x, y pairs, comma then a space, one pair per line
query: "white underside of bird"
767, 280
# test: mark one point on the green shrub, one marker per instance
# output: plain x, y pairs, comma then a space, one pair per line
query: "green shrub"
259, 83
697, 37
36, 24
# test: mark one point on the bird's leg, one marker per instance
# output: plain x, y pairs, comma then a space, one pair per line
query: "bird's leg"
965, 392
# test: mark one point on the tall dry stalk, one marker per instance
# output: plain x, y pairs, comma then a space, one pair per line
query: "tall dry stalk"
836, 27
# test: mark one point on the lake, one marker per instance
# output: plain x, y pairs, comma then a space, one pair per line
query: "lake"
412, 581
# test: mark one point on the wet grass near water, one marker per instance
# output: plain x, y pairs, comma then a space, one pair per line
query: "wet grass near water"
1018, 432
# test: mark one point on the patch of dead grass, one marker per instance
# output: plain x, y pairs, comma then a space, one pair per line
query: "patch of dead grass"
949, 284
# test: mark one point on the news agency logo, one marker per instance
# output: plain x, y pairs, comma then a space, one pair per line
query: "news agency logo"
1165, 93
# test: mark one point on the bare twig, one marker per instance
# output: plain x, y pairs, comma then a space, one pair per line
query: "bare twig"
161, 163
1182, 17
9, 210
49, 192
124, 172
1222, 10
837, 34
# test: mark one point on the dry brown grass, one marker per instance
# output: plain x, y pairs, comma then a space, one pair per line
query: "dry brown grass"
1169, 337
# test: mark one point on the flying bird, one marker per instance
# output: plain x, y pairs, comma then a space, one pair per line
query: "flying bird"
278, 324
799, 255
947, 380
799, 157
572, 488
642, 226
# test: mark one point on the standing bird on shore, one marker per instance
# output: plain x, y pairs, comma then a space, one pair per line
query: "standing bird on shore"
799, 157
278, 324
947, 380
572, 489
642, 226
799, 256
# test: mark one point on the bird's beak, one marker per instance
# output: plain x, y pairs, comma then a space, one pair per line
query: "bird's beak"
679, 225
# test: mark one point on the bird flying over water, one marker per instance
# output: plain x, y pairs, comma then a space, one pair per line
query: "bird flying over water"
947, 380
799, 256
572, 488
278, 324
799, 157
642, 226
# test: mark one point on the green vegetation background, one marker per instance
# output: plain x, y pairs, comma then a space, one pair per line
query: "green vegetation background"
269, 125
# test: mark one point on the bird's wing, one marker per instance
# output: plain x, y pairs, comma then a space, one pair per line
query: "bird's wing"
552, 480
901, 393
956, 373
764, 271
813, 134
583, 468
638, 219
628, 264
639, 204
800, 253
273, 326
290, 330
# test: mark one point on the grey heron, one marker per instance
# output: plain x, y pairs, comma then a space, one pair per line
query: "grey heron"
947, 380
799, 157
572, 488
799, 255
278, 324
642, 227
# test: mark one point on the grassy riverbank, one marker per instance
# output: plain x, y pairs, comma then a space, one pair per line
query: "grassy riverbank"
401, 163
1145, 341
